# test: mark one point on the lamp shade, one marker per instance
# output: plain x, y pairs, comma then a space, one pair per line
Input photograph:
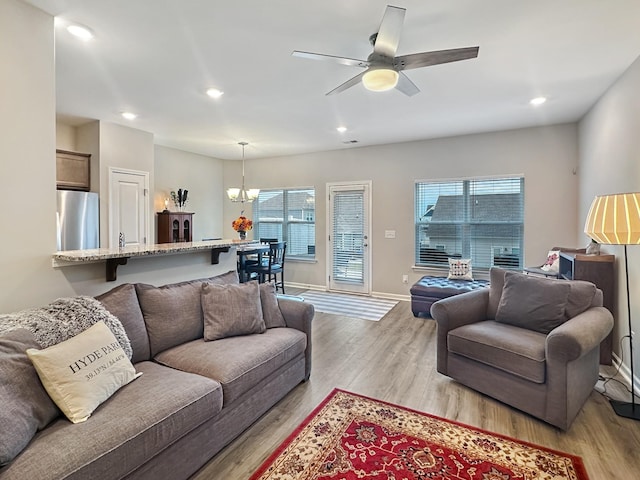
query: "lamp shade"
614, 219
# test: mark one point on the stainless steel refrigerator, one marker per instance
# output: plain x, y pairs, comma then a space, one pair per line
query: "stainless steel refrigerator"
78, 220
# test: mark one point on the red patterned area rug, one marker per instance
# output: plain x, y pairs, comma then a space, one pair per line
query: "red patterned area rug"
353, 437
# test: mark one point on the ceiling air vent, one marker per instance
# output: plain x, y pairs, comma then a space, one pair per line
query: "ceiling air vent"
349, 142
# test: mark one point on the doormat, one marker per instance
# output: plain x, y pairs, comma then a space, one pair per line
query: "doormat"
354, 437
349, 305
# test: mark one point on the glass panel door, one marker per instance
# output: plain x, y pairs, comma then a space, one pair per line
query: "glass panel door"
349, 238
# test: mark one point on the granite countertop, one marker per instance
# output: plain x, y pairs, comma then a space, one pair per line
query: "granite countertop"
98, 254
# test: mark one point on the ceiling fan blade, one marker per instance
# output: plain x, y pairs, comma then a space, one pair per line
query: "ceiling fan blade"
351, 62
406, 86
388, 37
348, 84
424, 59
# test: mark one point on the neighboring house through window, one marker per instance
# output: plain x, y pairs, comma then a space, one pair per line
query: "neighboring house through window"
480, 219
288, 215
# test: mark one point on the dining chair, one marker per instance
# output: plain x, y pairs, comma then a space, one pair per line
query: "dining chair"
274, 266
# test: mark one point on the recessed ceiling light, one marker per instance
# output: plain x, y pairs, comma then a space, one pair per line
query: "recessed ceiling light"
129, 115
214, 93
80, 31
537, 101
341, 129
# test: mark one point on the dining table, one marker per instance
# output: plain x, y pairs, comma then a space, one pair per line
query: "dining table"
247, 250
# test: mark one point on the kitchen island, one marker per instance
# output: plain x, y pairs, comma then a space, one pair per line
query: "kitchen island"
114, 257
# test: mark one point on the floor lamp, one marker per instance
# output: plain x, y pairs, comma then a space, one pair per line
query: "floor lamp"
615, 220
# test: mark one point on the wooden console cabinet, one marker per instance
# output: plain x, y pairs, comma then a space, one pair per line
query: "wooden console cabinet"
174, 227
599, 270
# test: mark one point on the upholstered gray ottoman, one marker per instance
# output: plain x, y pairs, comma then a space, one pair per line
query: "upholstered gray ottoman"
428, 290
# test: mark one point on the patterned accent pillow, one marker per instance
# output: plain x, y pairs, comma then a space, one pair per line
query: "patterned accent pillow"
460, 269
82, 372
553, 262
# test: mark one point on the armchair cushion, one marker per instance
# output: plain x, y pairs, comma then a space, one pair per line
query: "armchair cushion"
512, 349
534, 303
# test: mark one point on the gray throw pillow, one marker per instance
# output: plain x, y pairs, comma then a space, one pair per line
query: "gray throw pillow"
172, 314
534, 303
580, 297
231, 310
270, 309
26, 406
496, 285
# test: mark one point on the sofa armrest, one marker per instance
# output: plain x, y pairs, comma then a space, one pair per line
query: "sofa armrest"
579, 335
453, 312
299, 315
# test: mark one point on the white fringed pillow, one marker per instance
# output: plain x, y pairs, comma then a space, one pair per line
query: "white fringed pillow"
84, 371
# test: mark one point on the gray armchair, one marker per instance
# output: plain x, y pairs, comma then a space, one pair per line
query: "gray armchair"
530, 342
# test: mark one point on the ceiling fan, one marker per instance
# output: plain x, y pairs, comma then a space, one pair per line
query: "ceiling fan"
383, 70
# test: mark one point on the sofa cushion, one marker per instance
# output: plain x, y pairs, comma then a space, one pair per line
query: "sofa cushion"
122, 302
535, 303
26, 406
132, 427
238, 363
82, 372
270, 309
514, 350
231, 310
173, 313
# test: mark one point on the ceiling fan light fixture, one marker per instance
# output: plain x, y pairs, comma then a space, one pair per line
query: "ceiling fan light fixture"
380, 79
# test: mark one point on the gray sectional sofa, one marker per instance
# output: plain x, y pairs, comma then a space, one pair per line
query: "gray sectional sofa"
193, 398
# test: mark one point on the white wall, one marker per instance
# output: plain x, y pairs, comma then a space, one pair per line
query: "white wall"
27, 172
66, 137
27, 156
548, 158
202, 176
610, 163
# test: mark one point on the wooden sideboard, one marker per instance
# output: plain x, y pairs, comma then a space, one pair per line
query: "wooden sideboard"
175, 227
599, 270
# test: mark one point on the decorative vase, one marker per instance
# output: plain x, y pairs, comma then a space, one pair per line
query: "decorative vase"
243, 234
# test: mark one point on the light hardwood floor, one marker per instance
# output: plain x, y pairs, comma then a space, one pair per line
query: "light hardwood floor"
394, 360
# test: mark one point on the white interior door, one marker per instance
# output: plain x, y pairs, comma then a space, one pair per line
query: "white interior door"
128, 207
348, 255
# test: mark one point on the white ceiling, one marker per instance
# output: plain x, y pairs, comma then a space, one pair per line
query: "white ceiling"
157, 58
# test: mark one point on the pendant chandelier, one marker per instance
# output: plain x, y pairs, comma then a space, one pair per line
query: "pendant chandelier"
242, 194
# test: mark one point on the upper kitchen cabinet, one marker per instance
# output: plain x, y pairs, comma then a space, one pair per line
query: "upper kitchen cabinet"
72, 170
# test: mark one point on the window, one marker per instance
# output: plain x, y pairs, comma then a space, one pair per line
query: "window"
288, 215
480, 219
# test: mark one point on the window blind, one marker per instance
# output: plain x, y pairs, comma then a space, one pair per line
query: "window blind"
288, 215
481, 219
348, 236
